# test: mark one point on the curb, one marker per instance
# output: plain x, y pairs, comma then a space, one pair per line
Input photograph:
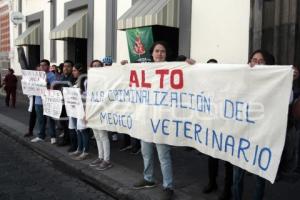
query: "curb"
78, 170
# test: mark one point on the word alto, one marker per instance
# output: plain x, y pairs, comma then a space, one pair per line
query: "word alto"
176, 78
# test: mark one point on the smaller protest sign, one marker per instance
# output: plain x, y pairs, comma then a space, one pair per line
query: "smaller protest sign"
73, 102
52, 103
33, 82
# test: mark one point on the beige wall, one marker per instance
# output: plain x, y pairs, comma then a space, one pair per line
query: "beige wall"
122, 49
220, 29
60, 16
99, 28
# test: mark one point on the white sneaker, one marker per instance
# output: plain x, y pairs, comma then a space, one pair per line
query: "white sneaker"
82, 156
37, 139
53, 140
75, 153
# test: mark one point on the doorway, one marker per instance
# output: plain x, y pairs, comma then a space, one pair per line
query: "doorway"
33, 56
169, 35
77, 50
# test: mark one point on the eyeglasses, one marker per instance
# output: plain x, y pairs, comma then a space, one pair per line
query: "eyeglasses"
96, 65
258, 61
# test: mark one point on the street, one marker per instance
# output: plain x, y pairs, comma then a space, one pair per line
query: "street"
23, 172
25, 175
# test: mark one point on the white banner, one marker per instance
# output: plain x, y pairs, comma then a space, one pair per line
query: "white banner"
52, 103
231, 112
33, 82
73, 102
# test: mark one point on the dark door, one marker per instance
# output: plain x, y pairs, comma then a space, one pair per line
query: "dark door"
22, 58
33, 56
169, 35
77, 50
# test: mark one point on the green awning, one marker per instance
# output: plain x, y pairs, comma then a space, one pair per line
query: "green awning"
74, 26
149, 13
31, 36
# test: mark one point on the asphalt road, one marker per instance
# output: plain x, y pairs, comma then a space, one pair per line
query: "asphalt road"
25, 175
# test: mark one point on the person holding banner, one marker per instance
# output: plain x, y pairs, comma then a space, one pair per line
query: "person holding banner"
106, 61
41, 119
258, 57
32, 116
96, 63
66, 80
31, 109
296, 106
101, 136
213, 165
76, 125
289, 157
159, 52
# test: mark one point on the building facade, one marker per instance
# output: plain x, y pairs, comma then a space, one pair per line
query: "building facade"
4, 34
83, 30
274, 26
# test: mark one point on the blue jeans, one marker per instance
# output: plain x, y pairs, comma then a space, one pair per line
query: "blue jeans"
83, 140
164, 155
82, 136
41, 119
238, 179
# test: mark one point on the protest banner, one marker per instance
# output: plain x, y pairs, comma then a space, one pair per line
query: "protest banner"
52, 103
73, 102
33, 82
231, 112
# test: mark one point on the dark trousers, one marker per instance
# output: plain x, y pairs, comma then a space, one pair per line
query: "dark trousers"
32, 119
297, 125
127, 140
213, 168
238, 185
10, 92
63, 125
83, 140
42, 120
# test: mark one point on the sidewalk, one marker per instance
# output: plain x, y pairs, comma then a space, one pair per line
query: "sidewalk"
189, 168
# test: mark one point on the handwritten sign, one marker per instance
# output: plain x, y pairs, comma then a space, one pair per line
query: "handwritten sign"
52, 103
231, 112
73, 102
33, 82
